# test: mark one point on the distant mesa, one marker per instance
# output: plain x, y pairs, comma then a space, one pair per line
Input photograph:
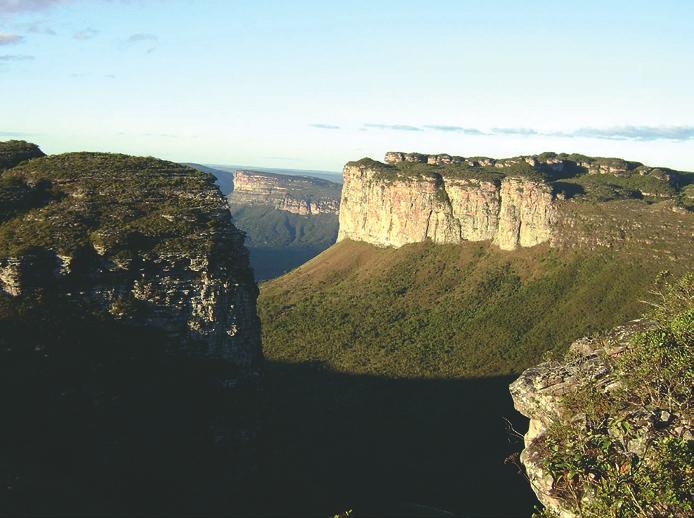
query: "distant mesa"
297, 194
513, 202
288, 219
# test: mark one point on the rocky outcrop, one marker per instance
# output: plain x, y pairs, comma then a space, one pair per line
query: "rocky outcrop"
152, 365
295, 194
546, 162
538, 392
541, 394
386, 208
514, 202
194, 279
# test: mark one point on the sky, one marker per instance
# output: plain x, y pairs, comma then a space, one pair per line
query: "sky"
314, 84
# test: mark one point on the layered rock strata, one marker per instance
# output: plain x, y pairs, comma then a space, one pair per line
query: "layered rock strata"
149, 373
387, 209
295, 194
144, 230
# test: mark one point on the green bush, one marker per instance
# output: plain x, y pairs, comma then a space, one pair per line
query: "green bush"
612, 466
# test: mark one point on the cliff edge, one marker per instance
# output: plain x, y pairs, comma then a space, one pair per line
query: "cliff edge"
515, 202
128, 327
612, 424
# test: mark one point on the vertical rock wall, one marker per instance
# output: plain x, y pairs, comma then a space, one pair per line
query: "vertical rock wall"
512, 211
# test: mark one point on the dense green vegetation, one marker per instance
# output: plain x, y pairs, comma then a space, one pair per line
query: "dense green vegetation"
399, 355
611, 187
279, 241
445, 311
630, 458
629, 179
79, 200
13, 152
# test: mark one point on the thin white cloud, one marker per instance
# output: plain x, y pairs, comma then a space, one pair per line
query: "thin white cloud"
515, 131
39, 28
22, 6
16, 57
7, 38
142, 36
85, 34
15, 134
627, 132
455, 129
324, 126
395, 127
637, 133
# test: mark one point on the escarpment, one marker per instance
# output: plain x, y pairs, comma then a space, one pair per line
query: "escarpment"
124, 228
295, 194
128, 324
516, 202
395, 209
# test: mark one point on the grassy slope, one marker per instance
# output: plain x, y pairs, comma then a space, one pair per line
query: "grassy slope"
387, 373
445, 311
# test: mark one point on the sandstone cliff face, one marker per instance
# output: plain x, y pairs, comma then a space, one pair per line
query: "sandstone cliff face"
295, 194
567, 200
137, 345
193, 279
393, 211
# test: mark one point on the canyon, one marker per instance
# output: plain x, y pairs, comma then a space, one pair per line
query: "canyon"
288, 219
129, 321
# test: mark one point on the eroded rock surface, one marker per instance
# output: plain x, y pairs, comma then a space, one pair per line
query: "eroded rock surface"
393, 210
540, 394
137, 332
566, 200
295, 194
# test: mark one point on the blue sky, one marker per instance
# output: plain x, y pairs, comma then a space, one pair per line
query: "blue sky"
309, 84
